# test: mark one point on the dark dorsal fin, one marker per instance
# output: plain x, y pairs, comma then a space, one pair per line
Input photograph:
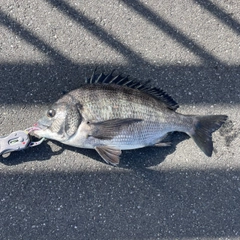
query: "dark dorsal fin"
125, 81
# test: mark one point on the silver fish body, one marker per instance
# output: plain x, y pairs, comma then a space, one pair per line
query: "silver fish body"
111, 114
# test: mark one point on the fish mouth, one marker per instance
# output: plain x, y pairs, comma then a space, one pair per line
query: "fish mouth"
40, 126
37, 129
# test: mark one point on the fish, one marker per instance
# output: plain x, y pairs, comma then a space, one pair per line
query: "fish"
111, 113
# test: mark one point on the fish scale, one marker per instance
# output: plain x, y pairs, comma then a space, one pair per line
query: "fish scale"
128, 105
113, 113
127, 108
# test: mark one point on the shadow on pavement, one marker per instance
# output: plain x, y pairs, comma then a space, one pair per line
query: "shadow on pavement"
42, 152
225, 18
44, 84
140, 204
130, 203
132, 159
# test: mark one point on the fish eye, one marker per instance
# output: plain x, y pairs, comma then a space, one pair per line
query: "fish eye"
51, 113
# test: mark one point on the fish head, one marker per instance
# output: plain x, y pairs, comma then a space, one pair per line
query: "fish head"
60, 122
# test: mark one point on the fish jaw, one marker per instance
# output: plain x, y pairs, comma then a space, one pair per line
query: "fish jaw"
44, 131
41, 129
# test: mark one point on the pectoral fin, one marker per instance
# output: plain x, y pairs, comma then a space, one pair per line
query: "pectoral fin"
106, 130
109, 154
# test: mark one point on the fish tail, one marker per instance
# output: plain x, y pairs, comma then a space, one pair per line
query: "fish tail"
204, 126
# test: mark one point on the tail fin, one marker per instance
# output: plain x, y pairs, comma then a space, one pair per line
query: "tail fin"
203, 129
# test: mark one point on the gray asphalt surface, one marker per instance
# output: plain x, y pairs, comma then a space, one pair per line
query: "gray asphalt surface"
191, 49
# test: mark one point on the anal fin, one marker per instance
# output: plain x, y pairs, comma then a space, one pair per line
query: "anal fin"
163, 144
109, 154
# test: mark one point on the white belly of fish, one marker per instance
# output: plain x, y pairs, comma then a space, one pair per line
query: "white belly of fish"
135, 136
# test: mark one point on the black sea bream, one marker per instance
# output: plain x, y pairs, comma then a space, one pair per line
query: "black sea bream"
112, 113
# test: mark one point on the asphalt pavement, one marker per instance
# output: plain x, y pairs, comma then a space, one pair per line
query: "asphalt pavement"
189, 48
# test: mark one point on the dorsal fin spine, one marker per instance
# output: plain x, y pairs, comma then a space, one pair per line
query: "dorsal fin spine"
107, 77
91, 79
113, 79
119, 82
144, 87
99, 77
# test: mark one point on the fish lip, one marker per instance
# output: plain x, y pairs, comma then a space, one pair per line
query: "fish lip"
39, 126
